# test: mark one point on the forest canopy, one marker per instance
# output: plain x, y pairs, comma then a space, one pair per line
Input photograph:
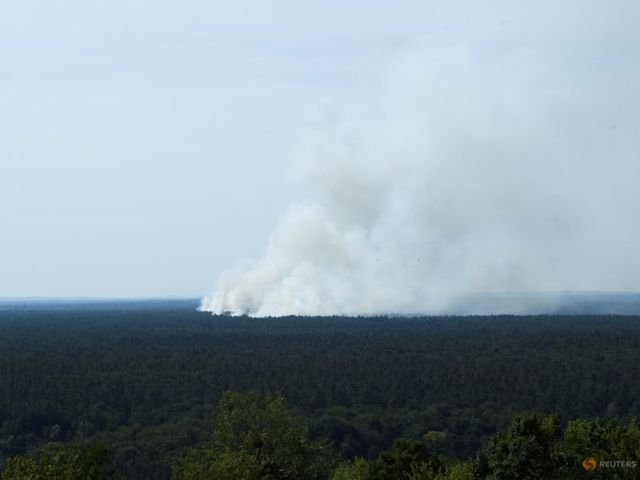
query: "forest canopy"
146, 385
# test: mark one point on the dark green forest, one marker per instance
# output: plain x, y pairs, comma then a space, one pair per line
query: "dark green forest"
138, 391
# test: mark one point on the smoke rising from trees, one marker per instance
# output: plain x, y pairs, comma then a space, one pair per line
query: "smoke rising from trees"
482, 165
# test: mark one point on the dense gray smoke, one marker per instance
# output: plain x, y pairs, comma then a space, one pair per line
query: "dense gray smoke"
476, 169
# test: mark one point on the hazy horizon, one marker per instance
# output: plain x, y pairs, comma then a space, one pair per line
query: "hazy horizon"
482, 305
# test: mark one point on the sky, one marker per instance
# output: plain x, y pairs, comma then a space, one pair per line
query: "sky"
146, 146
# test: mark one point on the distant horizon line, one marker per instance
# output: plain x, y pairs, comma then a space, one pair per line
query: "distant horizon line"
91, 298
36, 298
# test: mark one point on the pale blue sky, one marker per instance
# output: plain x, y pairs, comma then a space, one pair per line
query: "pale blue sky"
144, 145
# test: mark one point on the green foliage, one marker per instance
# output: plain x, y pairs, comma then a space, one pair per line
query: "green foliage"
22, 468
457, 471
145, 382
205, 464
535, 448
435, 437
257, 437
601, 440
409, 459
523, 451
60, 462
359, 469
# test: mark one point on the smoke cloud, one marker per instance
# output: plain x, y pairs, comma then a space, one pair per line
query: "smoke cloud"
480, 166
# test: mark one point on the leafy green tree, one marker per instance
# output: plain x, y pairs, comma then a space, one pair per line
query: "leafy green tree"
21, 468
535, 448
359, 469
58, 462
457, 471
203, 464
524, 451
409, 459
601, 440
257, 437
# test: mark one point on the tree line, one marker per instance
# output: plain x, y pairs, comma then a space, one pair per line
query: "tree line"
257, 437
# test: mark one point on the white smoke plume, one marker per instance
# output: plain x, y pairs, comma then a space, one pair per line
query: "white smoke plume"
480, 167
